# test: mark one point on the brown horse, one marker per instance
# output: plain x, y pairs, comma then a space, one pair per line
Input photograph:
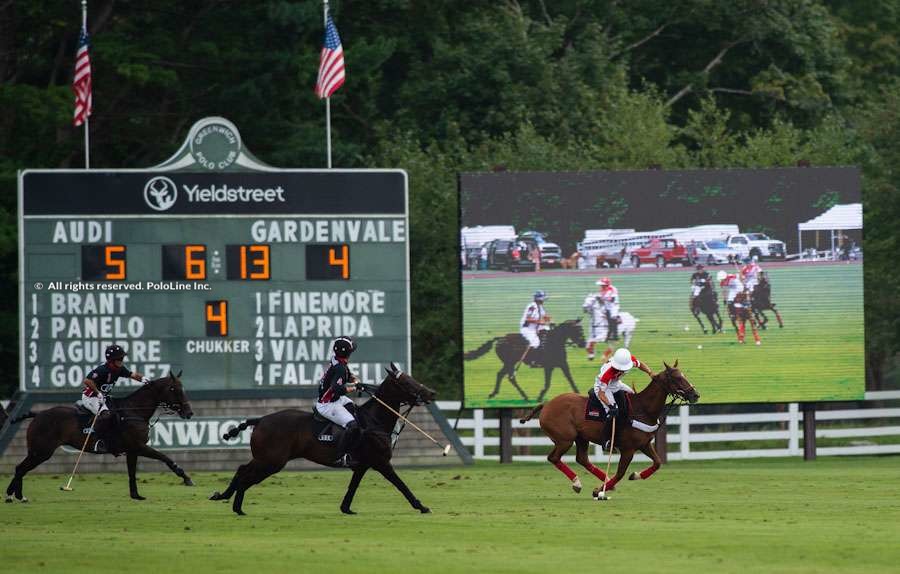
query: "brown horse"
562, 419
60, 425
289, 434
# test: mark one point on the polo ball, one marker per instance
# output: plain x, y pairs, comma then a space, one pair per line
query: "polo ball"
686, 328
699, 346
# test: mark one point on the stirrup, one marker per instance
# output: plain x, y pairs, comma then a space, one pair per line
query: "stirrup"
100, 446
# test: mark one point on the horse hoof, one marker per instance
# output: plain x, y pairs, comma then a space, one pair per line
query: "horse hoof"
9, 499
23, 500
188, 482
576, 488
424, 510
633, 476
216, 496
240, 512
492, 395
138, 497
347, 510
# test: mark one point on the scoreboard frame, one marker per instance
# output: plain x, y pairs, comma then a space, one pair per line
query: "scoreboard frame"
99, 211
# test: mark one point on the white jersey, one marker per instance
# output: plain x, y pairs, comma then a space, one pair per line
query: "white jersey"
750, 274
534, 312
594, 307
732, 286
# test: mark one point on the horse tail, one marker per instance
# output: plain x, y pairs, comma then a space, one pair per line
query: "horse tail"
240, 428
533, 412
20, 418
480, 350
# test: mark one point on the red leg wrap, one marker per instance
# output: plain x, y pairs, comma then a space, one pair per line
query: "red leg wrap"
564, 468
596, 471
648, 472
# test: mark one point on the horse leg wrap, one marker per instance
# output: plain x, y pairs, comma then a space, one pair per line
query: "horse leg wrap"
564, 468
596, 471
648, 472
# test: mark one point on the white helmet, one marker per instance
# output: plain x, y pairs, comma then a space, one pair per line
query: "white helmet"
621, 359
755, 258
721, 275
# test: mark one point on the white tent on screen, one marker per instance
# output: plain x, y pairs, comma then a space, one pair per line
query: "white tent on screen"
839, 218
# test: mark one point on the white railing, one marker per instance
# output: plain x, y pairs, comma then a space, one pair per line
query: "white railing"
686, 432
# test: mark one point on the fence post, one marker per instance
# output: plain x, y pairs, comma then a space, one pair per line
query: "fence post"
794, 428
478, 428
505, 435
684, 429
809, 431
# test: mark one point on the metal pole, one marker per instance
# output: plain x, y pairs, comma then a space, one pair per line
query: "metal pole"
505, 435
328, 99
809, 431
87, 121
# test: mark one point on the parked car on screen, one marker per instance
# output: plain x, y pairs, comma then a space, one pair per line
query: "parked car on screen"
759, 244
660, 252
510, 255
551, 254
713, 253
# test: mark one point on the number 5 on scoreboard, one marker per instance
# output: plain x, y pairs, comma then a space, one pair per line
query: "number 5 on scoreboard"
217, 318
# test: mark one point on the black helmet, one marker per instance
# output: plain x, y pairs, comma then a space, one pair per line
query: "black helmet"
115, 353
343, 347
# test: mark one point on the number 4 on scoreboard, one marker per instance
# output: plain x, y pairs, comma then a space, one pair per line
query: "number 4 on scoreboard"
217, 318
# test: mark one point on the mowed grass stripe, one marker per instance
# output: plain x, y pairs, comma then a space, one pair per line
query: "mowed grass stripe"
818, 355
782, 515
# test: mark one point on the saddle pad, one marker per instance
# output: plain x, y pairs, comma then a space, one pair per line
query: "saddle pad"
593, 410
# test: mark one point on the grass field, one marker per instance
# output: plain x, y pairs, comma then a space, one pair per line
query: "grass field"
775, 515
819, 355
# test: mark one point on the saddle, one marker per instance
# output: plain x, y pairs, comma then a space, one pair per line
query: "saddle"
324, 430
594, 410
84, 417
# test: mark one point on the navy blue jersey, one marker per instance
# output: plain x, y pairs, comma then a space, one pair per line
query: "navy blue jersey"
333, 383
105, 378
700, 278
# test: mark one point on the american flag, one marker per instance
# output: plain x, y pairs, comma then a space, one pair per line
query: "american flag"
331, 62
81, 83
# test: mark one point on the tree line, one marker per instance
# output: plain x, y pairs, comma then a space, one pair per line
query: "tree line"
438, 87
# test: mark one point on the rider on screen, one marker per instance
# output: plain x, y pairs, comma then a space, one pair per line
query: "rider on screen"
98, 385
534, 321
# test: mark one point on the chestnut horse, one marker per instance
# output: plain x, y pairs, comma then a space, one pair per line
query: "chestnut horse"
562, 419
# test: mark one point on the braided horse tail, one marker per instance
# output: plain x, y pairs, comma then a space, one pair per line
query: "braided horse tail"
240, 428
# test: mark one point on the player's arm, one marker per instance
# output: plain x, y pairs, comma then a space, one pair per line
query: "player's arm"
91, 385
138, 377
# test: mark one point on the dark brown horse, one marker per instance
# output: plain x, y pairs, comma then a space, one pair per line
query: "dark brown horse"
289, 434
562, 419
551, 355
60, 425
761, 300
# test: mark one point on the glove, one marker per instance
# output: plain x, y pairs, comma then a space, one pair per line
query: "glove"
102, 399
145, 380
613, 410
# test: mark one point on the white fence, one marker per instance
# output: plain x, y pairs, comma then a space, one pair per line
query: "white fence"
689, 434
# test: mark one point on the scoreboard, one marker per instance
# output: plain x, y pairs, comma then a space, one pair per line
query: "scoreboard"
242, 279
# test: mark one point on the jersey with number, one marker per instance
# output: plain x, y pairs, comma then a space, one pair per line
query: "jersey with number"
105, 378
333, 384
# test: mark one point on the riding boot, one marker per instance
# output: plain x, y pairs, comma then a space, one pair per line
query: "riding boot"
606, 434
613, 325
349, 441
103, 433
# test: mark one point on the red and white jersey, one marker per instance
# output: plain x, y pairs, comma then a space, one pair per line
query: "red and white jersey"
733, 286
750, 272
609, 294
535, 312
610, 375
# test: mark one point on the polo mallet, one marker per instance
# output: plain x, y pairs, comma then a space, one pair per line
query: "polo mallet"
446, 449
87, 437
612, 442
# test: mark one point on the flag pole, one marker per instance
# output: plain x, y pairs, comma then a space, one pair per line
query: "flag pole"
328, 99
87, 124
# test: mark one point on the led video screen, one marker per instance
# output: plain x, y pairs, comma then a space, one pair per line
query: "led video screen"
751, 279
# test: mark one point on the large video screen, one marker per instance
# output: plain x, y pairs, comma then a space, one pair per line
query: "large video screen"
751, 279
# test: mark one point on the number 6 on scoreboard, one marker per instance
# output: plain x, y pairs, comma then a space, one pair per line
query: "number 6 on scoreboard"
217, 318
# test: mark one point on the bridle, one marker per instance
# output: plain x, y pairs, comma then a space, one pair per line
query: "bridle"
679, 396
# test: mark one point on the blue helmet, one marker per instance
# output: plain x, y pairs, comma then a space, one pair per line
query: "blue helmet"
540, 295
